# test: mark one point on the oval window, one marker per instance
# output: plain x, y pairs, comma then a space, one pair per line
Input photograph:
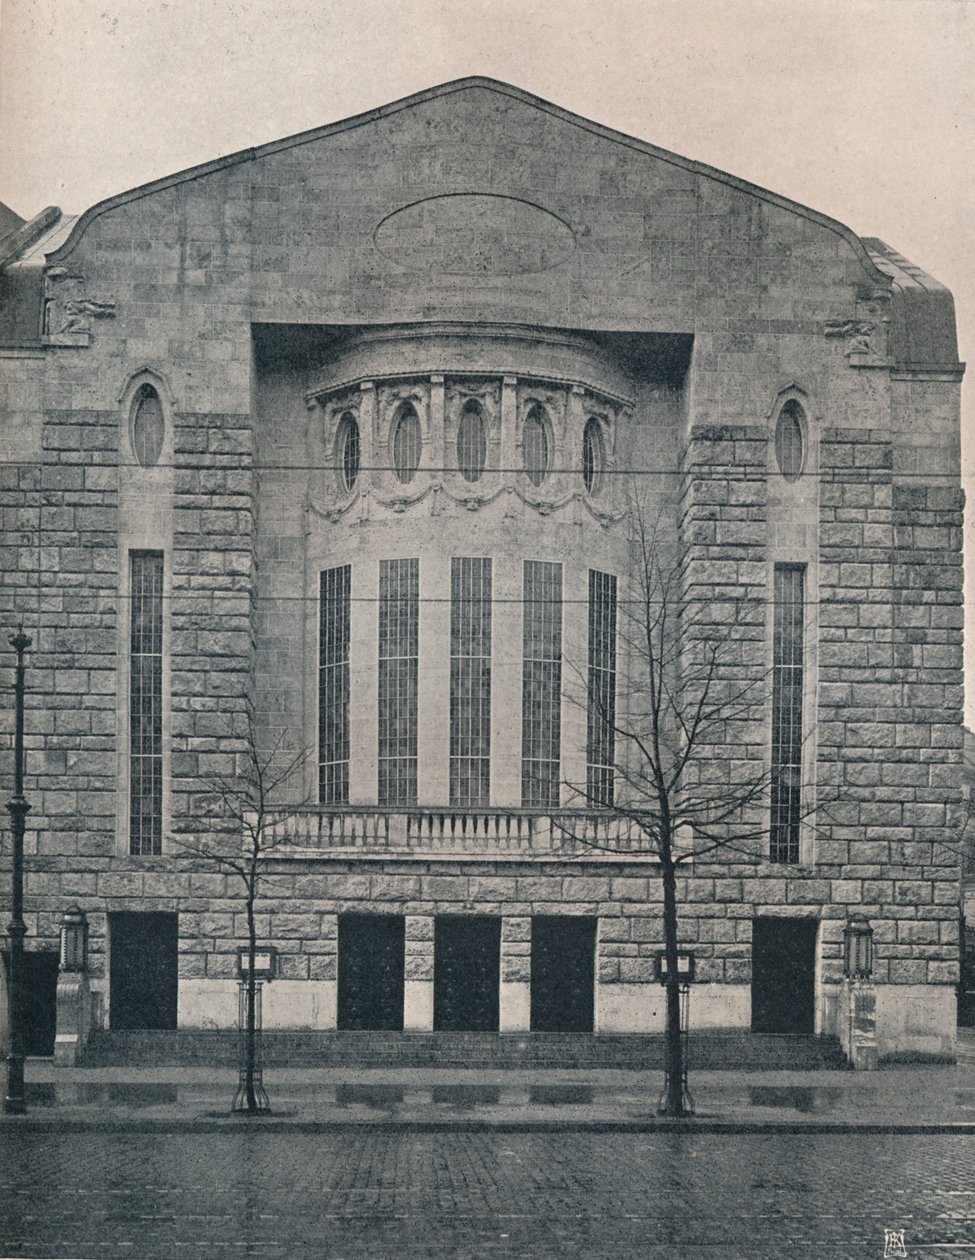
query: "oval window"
348, 450
592, 455
406, 443
789, 440
148, 426
471, 442
535, 446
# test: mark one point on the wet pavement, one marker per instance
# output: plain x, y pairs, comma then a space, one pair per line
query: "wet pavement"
906, 1099
381, 1192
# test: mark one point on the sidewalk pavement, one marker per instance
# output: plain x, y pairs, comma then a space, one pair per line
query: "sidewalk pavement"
916, 1099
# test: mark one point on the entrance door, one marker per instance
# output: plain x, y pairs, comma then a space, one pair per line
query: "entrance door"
371, 959
143, 969
783, 975
563, 973
466, 973
38, 1000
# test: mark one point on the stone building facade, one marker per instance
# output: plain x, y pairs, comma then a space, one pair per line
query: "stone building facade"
339, 433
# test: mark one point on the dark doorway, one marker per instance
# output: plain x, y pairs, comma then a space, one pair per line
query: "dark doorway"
143, 971
371, 958
563, 973
38, 1000
466, 973
783, 975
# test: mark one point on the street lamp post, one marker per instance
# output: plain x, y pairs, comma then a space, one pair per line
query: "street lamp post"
14, 1102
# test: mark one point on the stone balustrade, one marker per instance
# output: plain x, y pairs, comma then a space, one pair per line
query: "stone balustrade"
447, 832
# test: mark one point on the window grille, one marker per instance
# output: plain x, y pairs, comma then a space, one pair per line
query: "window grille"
148, 426
592, 456
407, 441
333, 685
787, 688
535, 446
145, 702
471, 442
789, 441
399, 617
470, 680
349, 450
541, 690
601, 716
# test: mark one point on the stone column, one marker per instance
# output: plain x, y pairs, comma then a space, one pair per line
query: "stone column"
418, 986
516, 964
367, 431
323, 968
569, 452
436, 458
509, 427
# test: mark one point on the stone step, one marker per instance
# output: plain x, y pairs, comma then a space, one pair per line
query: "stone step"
710, 1050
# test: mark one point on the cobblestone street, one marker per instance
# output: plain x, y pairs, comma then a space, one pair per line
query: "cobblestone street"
379, 1193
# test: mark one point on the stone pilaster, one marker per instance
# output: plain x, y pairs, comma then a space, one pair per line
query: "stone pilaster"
418, 988
516, 949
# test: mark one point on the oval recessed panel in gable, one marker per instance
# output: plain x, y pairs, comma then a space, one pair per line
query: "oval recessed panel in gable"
471, 234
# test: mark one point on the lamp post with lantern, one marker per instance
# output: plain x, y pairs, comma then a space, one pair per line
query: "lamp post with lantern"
858, 970
74, 1017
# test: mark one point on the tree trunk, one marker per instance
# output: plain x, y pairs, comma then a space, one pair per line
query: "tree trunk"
250, 1091
673, 1104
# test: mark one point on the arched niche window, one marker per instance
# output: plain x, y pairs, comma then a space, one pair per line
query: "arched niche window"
471, 442
535, 445
790, 440
406, 443
347, 449
592, 455
148, 426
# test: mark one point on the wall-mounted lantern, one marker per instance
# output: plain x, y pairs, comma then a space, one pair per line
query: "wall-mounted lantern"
858, 948
685, 966
74, 940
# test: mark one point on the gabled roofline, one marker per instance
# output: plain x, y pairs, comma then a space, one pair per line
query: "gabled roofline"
15, 243
448, 89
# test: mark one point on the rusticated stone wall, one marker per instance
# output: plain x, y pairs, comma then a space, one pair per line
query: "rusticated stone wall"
476, 206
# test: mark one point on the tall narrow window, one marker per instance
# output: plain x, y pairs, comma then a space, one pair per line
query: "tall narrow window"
148, 426
601, 716
471, 442
407, 441
535, 446
399, 622
333, 685
592, 456
470, 680
788, 440
348, 451
145, 702
541, 685
787, 685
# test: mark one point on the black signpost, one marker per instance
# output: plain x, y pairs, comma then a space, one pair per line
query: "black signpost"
14, 1102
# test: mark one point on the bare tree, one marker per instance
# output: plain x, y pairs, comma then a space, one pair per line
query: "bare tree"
684, 735
229, 825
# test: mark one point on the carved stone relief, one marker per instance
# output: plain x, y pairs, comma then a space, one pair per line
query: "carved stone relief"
68, 310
